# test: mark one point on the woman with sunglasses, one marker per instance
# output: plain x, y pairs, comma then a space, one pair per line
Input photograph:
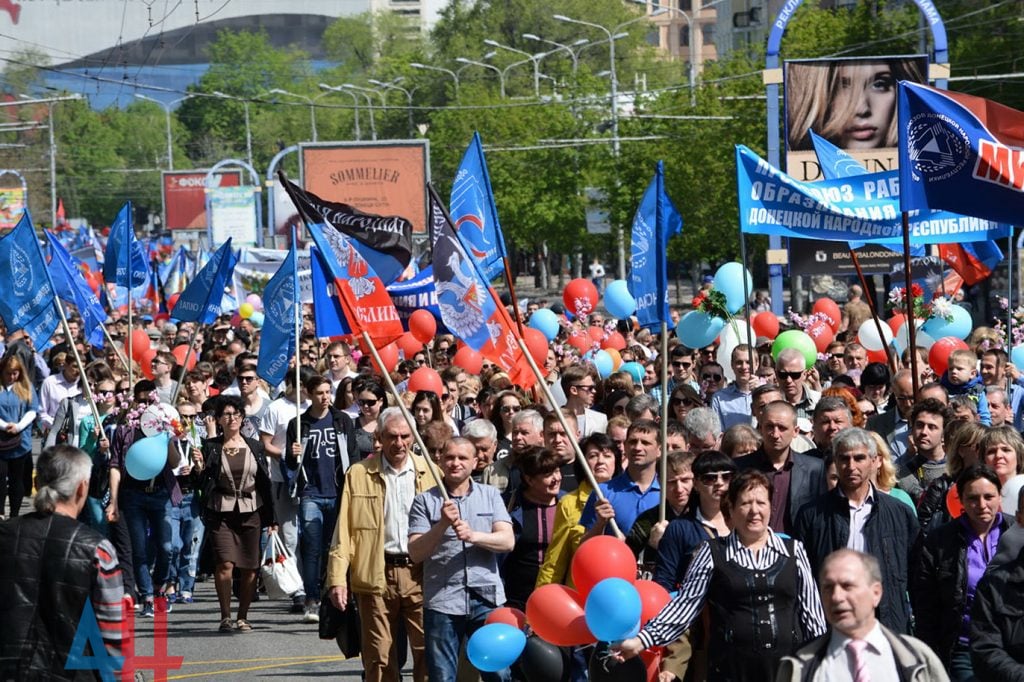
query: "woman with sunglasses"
507, 405
761, 595
683, 399
234, 478
371, 399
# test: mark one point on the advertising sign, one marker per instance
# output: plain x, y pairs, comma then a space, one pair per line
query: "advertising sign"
185, 200
12, 206
849, 102
386, 178
233, 214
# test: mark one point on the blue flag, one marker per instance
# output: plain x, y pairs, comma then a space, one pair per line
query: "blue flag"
70, 287
278, 342
328, 317
960, 153
656, 221
474, 214
123, 248
856, 208
200, 302
26, 293
415, 294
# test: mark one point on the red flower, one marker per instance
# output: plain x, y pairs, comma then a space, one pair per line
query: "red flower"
916, 290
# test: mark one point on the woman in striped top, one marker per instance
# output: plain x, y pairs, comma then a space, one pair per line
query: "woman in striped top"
762, 598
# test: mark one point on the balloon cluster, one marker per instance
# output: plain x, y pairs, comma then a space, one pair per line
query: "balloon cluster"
715, 307
252, 310
608, 604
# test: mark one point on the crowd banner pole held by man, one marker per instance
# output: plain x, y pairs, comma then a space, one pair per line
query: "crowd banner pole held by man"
655, 222
200, 301
125, 263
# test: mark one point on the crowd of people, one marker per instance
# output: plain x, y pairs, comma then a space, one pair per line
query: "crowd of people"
819, 522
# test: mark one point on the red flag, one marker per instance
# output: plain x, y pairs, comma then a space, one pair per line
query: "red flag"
60, 218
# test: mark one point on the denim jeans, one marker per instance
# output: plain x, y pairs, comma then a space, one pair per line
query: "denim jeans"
186, 533
444, 635
144, 514
316, 520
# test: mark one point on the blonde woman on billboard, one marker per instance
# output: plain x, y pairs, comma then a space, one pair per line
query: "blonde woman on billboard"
851, 103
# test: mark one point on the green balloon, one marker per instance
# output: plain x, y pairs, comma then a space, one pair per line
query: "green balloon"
798, 339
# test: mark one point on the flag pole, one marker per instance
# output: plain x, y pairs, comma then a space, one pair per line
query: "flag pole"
889, 359
128, 265
184, 364
909, 303
297, 319
406, 414
1009, 300
748, 313
663, 463
74, 351
587, 471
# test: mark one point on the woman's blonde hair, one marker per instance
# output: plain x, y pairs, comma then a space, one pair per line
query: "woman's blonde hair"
21, 387
886, 479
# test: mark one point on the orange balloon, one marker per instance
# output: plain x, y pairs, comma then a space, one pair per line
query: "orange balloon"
508, 615
422, 325
556, 616
180, 352
409, 345
599, 558
146, 361
616, 358
426, 379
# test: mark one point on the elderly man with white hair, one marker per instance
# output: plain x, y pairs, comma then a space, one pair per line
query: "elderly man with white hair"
484, 436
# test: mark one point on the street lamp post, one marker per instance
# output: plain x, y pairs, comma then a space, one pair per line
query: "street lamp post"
562, 46
355, 98
248, 128
453, 74
166, 106
408, 95
310, 100
492, 67
535, 58
365, 92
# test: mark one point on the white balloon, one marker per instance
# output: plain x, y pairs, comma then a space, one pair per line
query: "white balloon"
921, 339
733, 334
1011, 492
868, 335
157, 418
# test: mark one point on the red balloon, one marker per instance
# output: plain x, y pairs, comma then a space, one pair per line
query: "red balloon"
140, 344
469, 360
93, 281
821, 334
938, 355
172, 301
653, 598
389, 356
878, 356
422, 325
146, 362
615, 341
766, 324
508, 615
537, 344
652, 661
895, 322
409, 345
953, 504
596, 335
426, 379
602, 557
580, 297
236, 320
829, 308
179, 354
555, 614
581, 341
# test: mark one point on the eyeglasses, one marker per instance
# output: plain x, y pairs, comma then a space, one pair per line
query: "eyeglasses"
792, 376
336, 356
715, 476
510, 409
711, 377
368, 403
586, 387
231, 415
246, 379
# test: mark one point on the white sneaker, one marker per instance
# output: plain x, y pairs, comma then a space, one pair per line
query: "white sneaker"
312, 613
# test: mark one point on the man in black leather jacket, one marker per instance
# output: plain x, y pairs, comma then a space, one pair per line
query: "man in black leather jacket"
60, 565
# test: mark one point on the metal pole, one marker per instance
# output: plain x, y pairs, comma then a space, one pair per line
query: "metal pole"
312, 121
170, 142
620, 237
890, 360
184, 364
908, 300
248, 133
53, 168
663, 462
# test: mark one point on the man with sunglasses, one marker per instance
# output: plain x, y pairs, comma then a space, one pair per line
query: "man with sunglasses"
790, 369
579, 382
732, 403
796, 479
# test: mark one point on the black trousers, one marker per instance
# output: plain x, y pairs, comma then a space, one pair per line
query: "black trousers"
13, 475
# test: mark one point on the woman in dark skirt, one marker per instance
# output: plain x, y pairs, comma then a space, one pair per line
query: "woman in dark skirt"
238, 504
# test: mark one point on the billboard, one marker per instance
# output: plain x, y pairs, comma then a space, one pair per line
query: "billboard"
185, 199
386, 178
12, 206
233, 214
849, 102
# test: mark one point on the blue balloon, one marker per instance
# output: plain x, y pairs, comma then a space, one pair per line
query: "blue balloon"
617, 299
635, 370
146, 458
604, 363
613, 610
257, 318
960, 326
495, 647
729, 280
697, 329
546, 322
1017, 356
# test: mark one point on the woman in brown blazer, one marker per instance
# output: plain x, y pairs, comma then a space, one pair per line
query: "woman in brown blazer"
237, 506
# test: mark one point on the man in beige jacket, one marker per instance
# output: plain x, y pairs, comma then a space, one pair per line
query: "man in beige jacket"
370, 553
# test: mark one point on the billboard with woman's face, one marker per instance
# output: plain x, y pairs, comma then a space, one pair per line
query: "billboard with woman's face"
849, 102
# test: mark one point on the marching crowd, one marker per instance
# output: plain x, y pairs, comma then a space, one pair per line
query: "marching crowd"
821, 522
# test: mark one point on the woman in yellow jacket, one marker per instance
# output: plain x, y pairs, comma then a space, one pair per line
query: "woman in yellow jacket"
605, 461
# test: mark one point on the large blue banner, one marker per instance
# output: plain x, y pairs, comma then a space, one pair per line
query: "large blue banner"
124, 249
278, 342
201, 300
960, 153
861, 208
26, 293
474, 214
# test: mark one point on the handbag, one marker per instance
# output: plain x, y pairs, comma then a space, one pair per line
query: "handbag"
280, 573
341, 626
